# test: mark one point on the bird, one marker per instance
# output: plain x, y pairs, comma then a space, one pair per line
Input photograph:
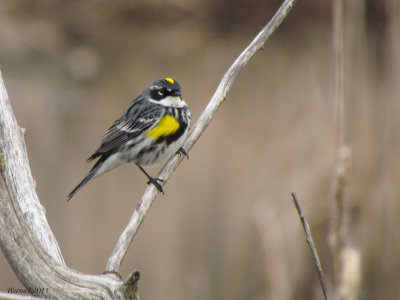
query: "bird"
151, 129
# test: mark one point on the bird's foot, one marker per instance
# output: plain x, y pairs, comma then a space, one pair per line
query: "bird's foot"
182, 151
155, 181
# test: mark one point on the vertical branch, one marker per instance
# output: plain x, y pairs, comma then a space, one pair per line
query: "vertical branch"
337, 230
346, 259
337, 233
338, 50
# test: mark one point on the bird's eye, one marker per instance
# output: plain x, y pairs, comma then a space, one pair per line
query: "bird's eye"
158, 94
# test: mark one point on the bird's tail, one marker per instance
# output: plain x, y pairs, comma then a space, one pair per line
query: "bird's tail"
81, 184
98, 169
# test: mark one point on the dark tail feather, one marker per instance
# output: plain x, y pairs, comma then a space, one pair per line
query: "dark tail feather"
81, 184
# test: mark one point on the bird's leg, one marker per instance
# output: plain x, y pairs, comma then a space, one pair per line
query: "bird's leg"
153, 180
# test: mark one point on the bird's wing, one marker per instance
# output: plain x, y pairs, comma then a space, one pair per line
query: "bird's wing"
136, 119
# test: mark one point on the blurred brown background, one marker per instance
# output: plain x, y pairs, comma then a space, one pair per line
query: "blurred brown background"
226, 227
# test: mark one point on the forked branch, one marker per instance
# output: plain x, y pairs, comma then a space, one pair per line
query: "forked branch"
25, 236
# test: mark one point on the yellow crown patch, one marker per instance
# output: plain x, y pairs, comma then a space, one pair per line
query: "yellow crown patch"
170, 80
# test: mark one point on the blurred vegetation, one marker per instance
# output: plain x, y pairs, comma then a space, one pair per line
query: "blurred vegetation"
226, 227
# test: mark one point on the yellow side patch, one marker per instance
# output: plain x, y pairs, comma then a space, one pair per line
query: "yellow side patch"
170, 80
166, 126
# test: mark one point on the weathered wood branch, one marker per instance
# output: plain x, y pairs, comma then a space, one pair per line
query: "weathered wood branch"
11, 296
208, 114
17, 183
25, 236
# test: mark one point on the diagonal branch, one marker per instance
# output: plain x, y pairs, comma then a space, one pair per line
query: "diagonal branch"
206, 117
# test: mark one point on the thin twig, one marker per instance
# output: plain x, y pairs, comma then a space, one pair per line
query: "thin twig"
310, 242
208, 114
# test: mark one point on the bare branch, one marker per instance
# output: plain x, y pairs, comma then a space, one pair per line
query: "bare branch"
10, 296
338, 50
25, 236
208, 114
337, 227
18, 180
313, 249
130, 285
346, 259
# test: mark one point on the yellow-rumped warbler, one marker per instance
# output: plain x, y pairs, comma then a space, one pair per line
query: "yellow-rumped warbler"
151, 129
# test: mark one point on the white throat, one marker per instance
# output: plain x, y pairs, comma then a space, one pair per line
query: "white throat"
174, 101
